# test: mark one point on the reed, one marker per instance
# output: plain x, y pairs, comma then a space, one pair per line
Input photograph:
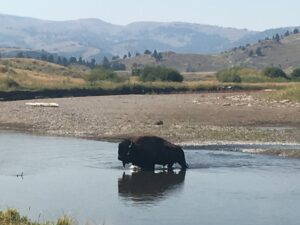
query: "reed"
13, 217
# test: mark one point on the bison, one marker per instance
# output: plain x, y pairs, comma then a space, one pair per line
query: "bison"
146, 151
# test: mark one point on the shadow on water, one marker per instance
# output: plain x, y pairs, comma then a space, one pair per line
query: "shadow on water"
146, 187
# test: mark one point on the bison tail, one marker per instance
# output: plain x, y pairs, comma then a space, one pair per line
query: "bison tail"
184, 166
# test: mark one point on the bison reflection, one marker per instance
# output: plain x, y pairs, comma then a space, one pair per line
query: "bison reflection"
146, 186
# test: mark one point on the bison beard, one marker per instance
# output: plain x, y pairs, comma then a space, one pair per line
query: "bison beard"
146, 151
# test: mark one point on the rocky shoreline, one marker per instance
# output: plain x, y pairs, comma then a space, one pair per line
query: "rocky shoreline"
180, 118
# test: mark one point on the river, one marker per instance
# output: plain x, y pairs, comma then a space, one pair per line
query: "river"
47, 177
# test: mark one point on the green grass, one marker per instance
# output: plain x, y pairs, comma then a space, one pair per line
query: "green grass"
247, 75
13, 217
291, 93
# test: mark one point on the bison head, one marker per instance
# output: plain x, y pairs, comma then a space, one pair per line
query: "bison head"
124, 152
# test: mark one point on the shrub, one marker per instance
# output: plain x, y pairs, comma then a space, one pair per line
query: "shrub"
160, 74
13, 217
295, 75
100, 74
10, 83
136, 72
117, 66
229, 75
274, 72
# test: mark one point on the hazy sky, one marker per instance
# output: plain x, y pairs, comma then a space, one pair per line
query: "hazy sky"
250, 14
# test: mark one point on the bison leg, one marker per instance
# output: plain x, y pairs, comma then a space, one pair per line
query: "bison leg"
170, 166
149, 167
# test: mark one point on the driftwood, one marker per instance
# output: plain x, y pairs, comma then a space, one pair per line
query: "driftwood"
42, 104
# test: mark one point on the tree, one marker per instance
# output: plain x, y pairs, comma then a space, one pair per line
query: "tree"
73, 60
296, 74
159, 56
277, 38
154, 55
117, 66
59, 60
50, 58
93, 63
287, 33
229, 75
189, 68
136, 71
65, 61
105, 63
250, 54
258, 52
147, 52
100, 74
296, 31
150, 73
116, 57
129, 54
80, 60
274, 72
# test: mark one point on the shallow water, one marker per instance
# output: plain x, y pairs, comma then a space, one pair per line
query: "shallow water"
84, 179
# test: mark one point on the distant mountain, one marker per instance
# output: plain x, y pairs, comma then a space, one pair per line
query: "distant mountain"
94, 38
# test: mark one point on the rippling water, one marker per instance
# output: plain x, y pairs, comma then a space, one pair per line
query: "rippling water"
84, 180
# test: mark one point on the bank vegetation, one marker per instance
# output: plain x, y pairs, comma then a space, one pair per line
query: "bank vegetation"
33, 78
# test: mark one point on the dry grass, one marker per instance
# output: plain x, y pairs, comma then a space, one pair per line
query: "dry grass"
13, 217
35, 74
291, 92
30, 74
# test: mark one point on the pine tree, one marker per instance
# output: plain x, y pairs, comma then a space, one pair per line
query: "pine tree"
80, 60
147, 52
73, 60
105, 63
93, 63
277, 38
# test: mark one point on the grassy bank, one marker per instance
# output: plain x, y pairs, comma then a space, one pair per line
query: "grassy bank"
13, 217
28, 78
291, 93
133, 87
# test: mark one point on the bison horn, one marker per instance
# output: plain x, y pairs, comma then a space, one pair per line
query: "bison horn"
130, 145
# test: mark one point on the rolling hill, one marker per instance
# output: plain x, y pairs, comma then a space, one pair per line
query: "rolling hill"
36, 74
284, 54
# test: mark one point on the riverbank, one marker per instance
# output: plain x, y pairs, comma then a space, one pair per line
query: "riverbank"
247, 116
13, 217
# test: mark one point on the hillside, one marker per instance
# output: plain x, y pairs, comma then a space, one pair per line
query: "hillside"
284, 53
180, 62
35, 74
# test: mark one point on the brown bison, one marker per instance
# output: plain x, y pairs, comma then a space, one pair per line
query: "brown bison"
146, 151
